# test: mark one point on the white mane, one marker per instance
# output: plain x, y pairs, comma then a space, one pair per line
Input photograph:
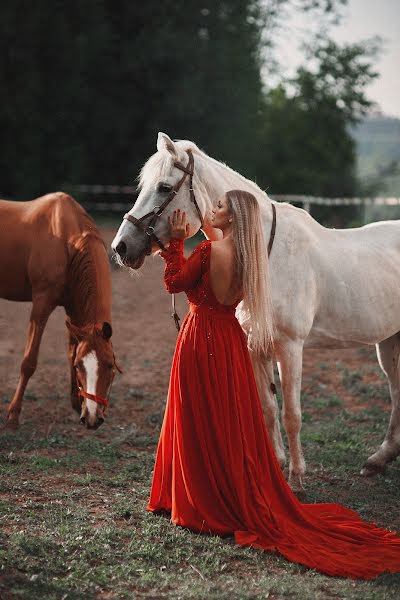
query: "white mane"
160, 164
209, 175
155, 169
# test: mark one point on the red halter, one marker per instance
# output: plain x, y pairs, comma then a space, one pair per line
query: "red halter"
98, 399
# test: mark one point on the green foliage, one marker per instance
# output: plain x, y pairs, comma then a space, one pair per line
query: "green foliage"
341, 76
378, 160
304, 139
87, 86
353, 381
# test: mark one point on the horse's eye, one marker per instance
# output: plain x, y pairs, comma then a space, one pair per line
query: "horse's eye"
110, 365
164, 188
79, 364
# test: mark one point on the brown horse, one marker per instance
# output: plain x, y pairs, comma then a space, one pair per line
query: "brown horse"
51, 254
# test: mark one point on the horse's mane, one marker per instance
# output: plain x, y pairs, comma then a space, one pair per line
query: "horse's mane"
161, 163
260, 194
88, 226
257, 191
155, 168
81, 241
82, 270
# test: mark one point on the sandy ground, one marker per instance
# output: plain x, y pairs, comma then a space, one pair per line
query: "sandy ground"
144, 338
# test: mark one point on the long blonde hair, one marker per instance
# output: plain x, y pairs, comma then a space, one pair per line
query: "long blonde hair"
252, 269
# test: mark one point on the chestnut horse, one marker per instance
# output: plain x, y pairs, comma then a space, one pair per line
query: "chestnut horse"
51, 254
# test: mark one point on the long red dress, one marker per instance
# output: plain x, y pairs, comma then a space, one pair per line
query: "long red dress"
216, 469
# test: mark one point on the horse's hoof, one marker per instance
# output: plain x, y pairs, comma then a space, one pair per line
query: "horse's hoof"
296, 484
11, 424
372, 469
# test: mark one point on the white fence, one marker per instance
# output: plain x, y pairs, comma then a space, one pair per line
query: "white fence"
306, 201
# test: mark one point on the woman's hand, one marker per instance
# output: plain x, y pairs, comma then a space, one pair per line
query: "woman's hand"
178, 226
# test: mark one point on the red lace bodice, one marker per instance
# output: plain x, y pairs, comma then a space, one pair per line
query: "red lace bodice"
192, 275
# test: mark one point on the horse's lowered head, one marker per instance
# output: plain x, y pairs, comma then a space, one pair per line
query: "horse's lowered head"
168, 181
94, 364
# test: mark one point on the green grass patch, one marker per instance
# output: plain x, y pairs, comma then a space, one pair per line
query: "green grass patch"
328, 402
353, 381
74, 524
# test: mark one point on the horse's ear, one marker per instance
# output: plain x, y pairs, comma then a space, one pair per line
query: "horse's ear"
164, 142
76, 333
106, 330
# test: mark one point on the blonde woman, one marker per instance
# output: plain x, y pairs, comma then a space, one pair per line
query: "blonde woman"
216, 471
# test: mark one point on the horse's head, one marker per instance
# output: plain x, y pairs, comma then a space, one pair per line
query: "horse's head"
168, 181
94, 364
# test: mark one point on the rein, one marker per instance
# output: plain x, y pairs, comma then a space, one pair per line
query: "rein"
273, 229
157, 211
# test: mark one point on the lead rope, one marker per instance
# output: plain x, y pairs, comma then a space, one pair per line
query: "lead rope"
175, 315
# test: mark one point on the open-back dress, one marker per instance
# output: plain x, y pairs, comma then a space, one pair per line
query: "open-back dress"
216, 471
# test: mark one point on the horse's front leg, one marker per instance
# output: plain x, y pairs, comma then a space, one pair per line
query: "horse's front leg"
264, 373
290, 360
42, 308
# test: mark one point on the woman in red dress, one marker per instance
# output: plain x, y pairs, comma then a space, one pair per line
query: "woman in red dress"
216, 471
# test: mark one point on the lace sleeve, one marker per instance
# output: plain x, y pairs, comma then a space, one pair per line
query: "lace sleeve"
183, 274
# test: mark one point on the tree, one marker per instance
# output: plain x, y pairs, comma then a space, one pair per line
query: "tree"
305, 143
89, 84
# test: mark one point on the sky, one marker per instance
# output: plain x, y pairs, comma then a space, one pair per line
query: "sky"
361, 19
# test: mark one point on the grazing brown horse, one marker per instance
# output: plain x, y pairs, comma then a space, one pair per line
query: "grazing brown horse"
51, 254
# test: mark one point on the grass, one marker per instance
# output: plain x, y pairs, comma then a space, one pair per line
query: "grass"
328, 402
354, 382
74, 524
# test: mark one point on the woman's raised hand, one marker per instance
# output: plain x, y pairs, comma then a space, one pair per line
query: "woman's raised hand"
178, 226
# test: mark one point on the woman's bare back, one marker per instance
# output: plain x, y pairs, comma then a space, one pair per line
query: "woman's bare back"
222, 272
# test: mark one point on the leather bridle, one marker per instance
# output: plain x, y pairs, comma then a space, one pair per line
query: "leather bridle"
273, 229
157, 211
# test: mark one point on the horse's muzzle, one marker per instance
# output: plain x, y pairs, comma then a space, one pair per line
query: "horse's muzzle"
95, 425
133, 263
121, 250
131, 252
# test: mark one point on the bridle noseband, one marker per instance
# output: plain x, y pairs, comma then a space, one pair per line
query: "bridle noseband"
158, 210
95, 398
99, 399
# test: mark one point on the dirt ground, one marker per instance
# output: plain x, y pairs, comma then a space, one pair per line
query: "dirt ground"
54, 469
144, 338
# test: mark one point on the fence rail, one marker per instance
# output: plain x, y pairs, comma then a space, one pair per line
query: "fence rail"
306, 201
367, 201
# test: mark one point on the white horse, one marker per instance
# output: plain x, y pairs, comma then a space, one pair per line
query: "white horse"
330, 288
